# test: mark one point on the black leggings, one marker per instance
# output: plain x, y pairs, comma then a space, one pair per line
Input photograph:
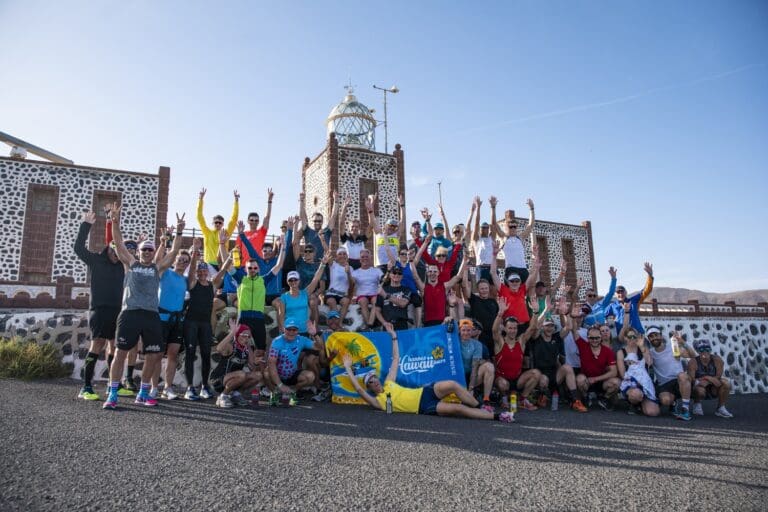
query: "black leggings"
197, 333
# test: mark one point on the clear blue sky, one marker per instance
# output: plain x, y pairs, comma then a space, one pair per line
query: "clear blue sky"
648, 118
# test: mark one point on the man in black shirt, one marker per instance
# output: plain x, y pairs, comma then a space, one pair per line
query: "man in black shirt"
107, 274
546, 353
392, 305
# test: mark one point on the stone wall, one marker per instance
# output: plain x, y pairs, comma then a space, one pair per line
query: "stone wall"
741, 342
317, 187
76, 187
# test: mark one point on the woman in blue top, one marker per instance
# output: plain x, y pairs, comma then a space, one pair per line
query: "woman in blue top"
296, 300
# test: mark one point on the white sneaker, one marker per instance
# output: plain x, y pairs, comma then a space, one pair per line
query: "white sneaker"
723, 412
698, 410
169, 393
224, 401
265, 392
153, 393
205, 393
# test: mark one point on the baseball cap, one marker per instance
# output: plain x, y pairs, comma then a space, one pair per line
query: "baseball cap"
241, 329
702, 346
513, 277
485, 225
393, 222
540, 283
131, 245
341, 250
368, 377
652, 330
291, 323
202, 265
333, 314
293, 275
148, 244
439, 225
547, 322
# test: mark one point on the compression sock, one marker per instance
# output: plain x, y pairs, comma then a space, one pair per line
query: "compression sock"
129, 373
145, 388
113, 386
486, 398
110, 357
90, 367
687, 404
574, 394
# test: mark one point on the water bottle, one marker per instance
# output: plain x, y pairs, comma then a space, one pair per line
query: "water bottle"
389, 403
255, 394
555, 400
591, 399
513, 402
236, 257
675, 348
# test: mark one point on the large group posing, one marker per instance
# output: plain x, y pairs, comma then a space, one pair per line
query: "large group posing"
525, 343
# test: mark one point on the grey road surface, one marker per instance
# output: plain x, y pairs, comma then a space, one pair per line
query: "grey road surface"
60, 453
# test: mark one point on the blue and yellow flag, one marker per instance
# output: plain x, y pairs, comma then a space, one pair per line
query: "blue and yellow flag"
427, 355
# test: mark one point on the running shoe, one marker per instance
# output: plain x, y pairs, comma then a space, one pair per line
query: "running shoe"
698, 410
605, 404
153, 393
87, 393
274, 399
684, 414
169, 393
322, 396
722, 412
123, 391
224, 401
191, 394
542, 401
487, 407
145, 399
206, 393
237, 399
507, 417
528, 406
293, 400
578, 406
111, 402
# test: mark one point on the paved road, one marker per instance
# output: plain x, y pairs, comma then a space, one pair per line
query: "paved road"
58, 453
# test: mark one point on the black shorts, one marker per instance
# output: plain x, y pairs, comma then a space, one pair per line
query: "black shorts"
355, 264
522, 272
429, 400
135, 323
103, 323
432, 323
293, 379
672, 387
258, 331
333, 296
596, 388
172, 330
551, 374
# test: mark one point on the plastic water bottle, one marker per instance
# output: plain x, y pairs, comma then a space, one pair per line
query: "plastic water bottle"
675, 348
513, 402
555, 400
389, 403
255, 394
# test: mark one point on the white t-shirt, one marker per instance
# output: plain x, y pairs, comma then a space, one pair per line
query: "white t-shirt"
665, 366
484, 250
339, 284
572, 350
367, 281
514, 252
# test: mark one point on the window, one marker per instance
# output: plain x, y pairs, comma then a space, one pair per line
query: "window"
546, 275
39, 233
570, 258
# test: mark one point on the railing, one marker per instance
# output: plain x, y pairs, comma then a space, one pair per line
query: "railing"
693, 308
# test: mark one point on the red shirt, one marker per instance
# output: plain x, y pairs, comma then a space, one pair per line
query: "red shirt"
515, 303
257, 241
509, 361
592, 366
446, 268
434, 302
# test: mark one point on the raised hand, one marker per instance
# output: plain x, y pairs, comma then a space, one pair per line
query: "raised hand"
493, 201
612, 271
425, 213
270, 194
452, 299
562, 306
236, 194
580, 282
240, 227
197, 244
202, 192
478, 201
301, 197
223, 236
563, 266
529, 202
232, 325
89, 217
627, 306
400, 200
496, 247
347, 202
180, 223
311, 328
327, 257
114, 212
502, 302
648, 268
347, 360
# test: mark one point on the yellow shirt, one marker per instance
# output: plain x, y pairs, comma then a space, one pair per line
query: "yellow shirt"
403, 399
211, 236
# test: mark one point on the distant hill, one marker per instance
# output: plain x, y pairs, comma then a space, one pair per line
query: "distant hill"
747, 297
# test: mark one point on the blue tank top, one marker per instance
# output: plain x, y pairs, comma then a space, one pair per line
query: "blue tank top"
173, 288
297, 308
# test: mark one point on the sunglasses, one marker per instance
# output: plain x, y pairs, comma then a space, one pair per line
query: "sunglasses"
245, 333
292, 329
253, 220
293, 279
284, 228
441, 255
621, 291
253, 268
631, 336
403, 253
594, 338
514, 281
218, 222
512, 226
457, 232
591, 295
306, 251
393, 273
147, 249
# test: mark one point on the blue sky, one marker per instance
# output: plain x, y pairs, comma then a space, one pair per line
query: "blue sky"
648, 118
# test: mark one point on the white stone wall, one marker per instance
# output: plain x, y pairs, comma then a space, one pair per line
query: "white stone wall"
76, 194
316, 188
354, 165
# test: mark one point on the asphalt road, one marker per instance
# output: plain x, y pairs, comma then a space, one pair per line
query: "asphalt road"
60, 453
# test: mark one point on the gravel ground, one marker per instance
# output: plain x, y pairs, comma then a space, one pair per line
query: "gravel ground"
60, 453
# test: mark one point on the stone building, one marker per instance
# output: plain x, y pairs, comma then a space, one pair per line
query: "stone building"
42, 203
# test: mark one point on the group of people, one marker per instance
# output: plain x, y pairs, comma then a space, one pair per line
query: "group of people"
524, 342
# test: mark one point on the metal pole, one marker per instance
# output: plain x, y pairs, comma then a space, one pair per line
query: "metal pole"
386, 125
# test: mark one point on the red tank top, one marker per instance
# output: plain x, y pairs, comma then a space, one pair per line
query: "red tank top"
434, 302
509, 361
